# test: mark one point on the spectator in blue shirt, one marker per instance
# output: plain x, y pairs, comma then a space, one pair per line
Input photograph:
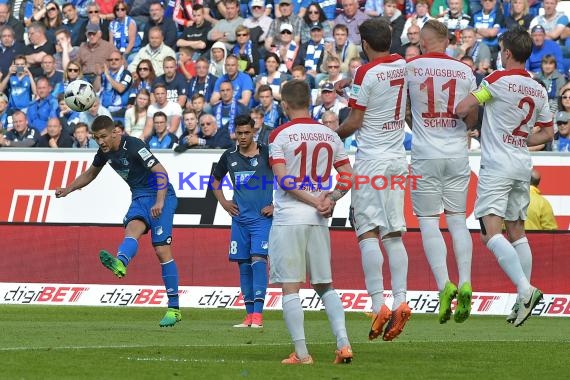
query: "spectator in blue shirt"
241, 83
161, 138
20, 84
487, 23
541, 47
44, 107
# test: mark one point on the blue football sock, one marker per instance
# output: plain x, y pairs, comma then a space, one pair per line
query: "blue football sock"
246, 285
170, 279
259, 269
128, 250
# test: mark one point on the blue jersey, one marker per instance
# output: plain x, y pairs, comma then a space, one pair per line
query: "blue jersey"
40, 111
252, 178
20, 92
133, 162
242, 82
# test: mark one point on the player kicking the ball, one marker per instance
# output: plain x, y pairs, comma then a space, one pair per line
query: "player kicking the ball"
514, 104
152, 207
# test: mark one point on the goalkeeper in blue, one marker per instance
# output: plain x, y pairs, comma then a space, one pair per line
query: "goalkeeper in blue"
152, 206
251, 210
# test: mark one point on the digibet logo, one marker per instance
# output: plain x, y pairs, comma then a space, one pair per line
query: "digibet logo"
140, 297
45, 294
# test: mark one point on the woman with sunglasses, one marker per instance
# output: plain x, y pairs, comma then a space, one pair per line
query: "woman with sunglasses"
314, 15
144, 77
245, 50
53, 20
72, 72
123, 29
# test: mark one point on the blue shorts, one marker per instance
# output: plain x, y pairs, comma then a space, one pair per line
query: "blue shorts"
249, 239
161, 227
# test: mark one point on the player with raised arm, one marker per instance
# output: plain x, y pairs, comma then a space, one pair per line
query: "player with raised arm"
436, 83
152, 206
251, 210
302, 155
514, 104
378, 104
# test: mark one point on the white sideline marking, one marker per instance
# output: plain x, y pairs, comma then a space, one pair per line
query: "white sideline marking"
8, 349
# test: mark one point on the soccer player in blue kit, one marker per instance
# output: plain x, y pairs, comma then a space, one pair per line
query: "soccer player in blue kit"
152, 207
251, 210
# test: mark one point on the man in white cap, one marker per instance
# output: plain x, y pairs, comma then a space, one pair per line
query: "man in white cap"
258, 23
287, 17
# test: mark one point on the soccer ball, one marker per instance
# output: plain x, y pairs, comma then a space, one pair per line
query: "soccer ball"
79, 95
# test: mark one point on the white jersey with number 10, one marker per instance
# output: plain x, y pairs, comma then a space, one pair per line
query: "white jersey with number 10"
380, 90
436, 83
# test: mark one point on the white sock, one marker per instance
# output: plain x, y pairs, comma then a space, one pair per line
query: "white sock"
335, 313
435, 249
398, 259
525, 255
294, 319
372, 261
509, 261
462, 245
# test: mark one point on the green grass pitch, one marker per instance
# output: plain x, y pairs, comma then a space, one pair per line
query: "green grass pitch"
126, 343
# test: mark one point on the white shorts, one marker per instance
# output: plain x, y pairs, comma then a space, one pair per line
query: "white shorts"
504, 197
374, 208
296, 250
443, 185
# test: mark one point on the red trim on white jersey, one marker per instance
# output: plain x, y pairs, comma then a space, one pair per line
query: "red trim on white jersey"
549, 124
340, 163
496, 75
276, 161
301, 120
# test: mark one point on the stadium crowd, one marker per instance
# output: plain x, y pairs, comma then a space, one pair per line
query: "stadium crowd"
202, 64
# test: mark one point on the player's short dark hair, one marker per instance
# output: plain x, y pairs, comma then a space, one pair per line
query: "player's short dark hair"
377, 34
242, 120
102, 122
296, 94
518, 42
264, 88
197, 7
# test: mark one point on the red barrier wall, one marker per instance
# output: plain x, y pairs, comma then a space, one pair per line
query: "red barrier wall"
69, 254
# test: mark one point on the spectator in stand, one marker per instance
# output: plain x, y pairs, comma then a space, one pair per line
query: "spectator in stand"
478, 76
541, 47
552, 21
411, 51
135, 117
258, 23
198, 104
311, 53
19, 84
394, 17
35, 12
246, 51
210, 136
419, 18
74, 24
561, 142
167, 25
53, 20
329, 102
81, 137
224, 30
65, 52
116, 81
96, 109
203, 83
228, 109
564, 99
273, 77
552, 79
241, 83
287, 49
518, 15
475, 49
140, 10
190, 121
413, 39
455, 17
6, 19
93, 54
330, 119
195, 36
293, 25
43, 108
67, 117
262, 131
144, 78
106, 7
340, 48
9, 48
155, 51
174, 81
374, 8
21, 135
186, 65
298, 72
54, 77
160, 138
333, 73
172, 111
123, 30
54, 138
352, 17
71, 73
439, 7
183, 10
5, 114
38, 47
539, 215
272, 114
218, 56
214, 10
314, 16
94, 17
487, 23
